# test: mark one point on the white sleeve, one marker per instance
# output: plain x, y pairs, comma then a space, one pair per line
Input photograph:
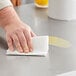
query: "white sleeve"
5, 3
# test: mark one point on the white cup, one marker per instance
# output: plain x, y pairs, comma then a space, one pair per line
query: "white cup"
62, 9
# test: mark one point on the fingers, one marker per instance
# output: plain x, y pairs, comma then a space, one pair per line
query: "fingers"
17, 43
29, 40
33, 34
23, 41
9, 42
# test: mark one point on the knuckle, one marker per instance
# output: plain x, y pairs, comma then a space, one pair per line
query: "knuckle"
16, 40
18, 30
18, 45
25, 30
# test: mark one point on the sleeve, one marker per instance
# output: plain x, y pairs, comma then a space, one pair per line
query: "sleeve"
5, 3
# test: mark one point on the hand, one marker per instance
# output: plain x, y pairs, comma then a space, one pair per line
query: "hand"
19, 34
16, 2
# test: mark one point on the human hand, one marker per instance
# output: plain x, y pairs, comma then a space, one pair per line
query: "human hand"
19, 34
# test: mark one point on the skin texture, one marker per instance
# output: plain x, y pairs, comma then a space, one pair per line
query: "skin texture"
16, 2
18, 34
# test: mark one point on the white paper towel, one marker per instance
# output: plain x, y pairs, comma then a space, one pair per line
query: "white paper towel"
62, 9
40, 44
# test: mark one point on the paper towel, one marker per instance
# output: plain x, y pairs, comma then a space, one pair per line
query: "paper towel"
40, 44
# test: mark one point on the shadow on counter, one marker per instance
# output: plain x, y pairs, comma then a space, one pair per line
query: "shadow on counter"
3, 43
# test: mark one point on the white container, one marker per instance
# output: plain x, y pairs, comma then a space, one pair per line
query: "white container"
62, 9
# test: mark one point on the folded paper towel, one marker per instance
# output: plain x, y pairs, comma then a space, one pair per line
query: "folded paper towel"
40, 44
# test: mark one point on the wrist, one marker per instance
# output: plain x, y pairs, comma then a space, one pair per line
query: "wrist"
8, 16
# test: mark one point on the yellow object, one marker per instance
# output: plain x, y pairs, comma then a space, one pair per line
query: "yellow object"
59, 42
41, 3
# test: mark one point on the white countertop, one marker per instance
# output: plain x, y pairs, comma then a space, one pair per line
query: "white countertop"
58, 61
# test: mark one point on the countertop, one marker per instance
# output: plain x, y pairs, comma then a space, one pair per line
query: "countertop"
58, 61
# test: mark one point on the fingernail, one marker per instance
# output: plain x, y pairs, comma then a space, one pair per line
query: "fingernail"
26, 51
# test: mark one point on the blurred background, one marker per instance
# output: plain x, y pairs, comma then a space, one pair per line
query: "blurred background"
27, 1
21, 2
